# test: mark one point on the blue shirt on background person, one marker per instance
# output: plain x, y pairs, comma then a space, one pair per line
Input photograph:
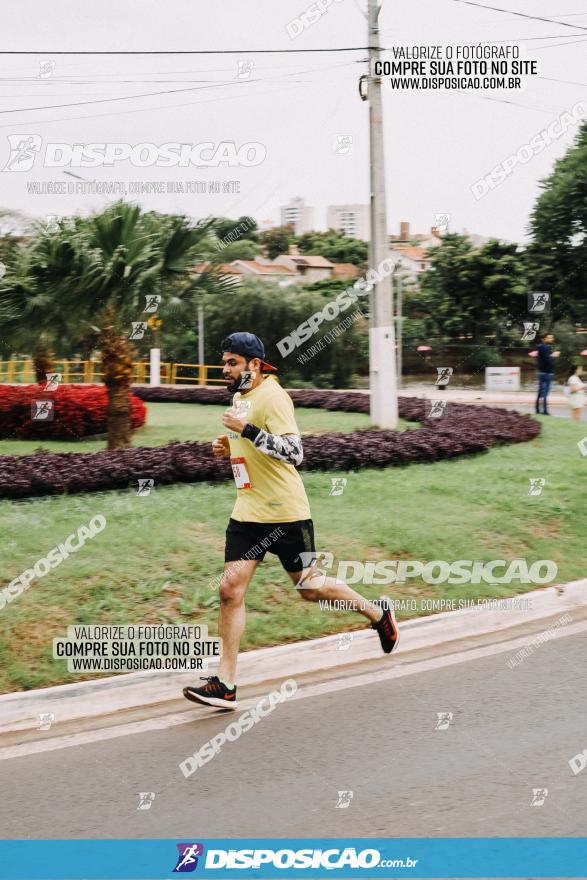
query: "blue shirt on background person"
544, 361
545, 368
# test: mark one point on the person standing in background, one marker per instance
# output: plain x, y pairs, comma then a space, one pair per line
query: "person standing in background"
545, 369
574, 392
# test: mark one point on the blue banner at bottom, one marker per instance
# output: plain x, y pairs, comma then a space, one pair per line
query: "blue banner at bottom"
529, 857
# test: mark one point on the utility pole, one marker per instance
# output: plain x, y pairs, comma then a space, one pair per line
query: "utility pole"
382, 371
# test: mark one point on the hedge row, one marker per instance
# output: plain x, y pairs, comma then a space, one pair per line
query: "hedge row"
69, 412
463, 430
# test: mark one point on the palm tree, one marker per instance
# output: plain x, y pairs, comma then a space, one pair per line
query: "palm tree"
30, 319
101, 270
130, 256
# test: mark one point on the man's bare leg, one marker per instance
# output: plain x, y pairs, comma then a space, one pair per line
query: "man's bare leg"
231, 625
315, 586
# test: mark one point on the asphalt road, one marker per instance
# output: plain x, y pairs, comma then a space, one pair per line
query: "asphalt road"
512, 731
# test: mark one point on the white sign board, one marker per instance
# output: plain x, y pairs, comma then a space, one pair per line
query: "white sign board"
502, 378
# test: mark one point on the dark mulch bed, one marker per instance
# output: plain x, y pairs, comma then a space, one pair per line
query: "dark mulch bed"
462, 430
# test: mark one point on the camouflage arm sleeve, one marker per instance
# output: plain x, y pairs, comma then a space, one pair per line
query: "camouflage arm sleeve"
286, 447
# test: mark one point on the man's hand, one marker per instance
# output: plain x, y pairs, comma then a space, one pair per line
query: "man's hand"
230, 421
221, 447
556, 354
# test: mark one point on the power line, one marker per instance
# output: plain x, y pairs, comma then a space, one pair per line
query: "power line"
553, 45
512, 39
522, 14
27, 69
85, 81
568, 82
149, 109
82, 80
218, 84
64, 81
181, 51
505, 101
127, 97
526, 39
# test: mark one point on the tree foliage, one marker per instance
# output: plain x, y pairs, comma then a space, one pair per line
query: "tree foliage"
335, 247
276, 241
272, 312
557, 256
470, 292
95, 273
235, 230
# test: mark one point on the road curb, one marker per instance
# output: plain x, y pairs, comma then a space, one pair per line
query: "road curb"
19, 712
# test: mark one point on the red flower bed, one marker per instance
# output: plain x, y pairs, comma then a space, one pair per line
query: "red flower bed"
464, 430
72, 411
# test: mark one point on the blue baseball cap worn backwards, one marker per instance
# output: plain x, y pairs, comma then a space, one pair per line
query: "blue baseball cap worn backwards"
248, 345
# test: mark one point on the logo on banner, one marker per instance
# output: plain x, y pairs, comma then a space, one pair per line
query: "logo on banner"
187, 859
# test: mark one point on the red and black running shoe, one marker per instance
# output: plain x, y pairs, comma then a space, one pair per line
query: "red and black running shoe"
213, 693
387, 627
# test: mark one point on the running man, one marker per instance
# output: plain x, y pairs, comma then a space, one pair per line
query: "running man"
271, 511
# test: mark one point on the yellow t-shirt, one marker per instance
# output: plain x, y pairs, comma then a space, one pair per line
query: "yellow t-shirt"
272, 490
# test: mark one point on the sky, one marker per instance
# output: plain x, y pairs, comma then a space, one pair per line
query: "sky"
301, 109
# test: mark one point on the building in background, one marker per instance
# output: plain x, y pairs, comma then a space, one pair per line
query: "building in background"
345, 272
284, 270
260, 268
351, 220
433, 238
411, 250
297, 215
415, 239
410, 259
310, 268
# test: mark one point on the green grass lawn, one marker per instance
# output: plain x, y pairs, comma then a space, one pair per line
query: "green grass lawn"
167, 422
158, 554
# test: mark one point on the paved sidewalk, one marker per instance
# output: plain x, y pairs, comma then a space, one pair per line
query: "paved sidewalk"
470, 395
154, 691
479, 396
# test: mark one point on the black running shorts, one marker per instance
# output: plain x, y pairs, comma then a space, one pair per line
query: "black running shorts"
251, 540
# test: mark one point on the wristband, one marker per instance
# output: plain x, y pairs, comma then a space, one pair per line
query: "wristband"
251, 432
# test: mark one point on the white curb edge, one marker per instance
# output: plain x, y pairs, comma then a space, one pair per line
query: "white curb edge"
20, 711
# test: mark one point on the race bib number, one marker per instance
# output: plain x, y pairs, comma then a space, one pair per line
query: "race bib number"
241, 474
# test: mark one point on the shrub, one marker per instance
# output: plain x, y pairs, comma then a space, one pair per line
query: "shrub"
483, 356
78, 411
273, 312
